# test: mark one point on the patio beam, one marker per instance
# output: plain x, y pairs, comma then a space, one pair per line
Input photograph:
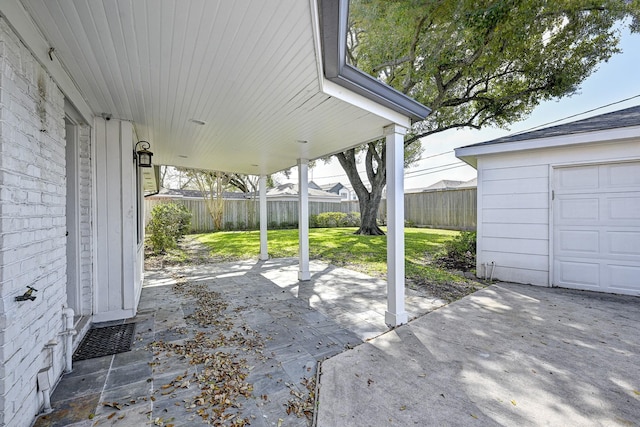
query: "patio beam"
262, 183
395, 314
303, 219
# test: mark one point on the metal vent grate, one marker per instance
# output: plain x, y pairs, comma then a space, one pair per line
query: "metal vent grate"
105, 341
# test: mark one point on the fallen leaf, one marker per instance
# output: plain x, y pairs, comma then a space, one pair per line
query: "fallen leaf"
114, 405
513, 402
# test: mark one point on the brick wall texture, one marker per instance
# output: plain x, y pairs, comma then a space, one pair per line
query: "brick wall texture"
85, 215
33, 226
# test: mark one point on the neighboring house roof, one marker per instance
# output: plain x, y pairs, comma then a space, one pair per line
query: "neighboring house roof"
617, 125
170, 193
333, 187
291, 190
445, 184
314, 185
472, 183
284, 190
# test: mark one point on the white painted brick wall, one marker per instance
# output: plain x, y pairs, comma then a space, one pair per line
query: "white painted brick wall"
85, 206
32, 226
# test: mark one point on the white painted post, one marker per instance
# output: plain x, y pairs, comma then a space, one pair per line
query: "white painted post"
303, 219
264, 252
395, 314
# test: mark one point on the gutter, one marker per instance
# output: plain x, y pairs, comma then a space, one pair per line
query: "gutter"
334, 16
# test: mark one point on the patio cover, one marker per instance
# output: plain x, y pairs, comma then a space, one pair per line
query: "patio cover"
241, 86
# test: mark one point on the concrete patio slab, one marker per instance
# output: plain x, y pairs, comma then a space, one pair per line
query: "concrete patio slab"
507, 355
298, 324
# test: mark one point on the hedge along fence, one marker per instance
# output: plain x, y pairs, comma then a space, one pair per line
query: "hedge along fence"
245, 214
448, 209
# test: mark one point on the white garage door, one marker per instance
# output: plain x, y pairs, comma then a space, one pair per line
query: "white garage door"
596, 227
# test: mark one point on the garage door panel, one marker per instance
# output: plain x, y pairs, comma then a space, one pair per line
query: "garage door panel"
623, 278
596, 227
623, 175
574, 273
571, 209
581, 177
625, 243
623, 207
584, 241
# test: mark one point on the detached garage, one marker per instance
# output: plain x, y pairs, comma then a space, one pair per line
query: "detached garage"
560, 206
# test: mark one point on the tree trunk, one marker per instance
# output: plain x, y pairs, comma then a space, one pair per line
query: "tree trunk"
369, 216
369, 201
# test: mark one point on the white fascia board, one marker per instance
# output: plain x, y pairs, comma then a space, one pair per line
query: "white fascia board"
336, 91
24, 26
469, 154
332, 89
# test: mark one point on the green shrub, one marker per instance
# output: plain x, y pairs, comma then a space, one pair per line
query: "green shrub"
335, 219
353, 219
460, 252
169, 222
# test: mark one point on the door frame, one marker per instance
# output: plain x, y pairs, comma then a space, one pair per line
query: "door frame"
72, 214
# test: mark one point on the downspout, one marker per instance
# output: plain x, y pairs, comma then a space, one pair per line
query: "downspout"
69, 332
42, 379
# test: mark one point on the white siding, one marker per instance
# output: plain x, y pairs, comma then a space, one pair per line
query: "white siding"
514, 201
32, 227
117, 256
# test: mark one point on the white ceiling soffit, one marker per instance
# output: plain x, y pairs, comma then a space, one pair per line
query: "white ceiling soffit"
212, 84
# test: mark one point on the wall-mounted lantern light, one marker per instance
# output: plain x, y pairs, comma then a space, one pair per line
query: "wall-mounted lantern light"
143, 155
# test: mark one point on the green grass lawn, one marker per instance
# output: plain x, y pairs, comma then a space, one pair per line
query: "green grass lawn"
339, 246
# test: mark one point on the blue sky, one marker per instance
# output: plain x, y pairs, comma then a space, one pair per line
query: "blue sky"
615, 80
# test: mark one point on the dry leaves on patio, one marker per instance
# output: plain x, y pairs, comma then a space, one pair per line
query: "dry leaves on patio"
221, 373
302, 404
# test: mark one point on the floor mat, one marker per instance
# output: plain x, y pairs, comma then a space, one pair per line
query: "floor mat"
105, 340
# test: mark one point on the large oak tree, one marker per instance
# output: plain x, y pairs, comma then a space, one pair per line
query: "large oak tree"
475, 63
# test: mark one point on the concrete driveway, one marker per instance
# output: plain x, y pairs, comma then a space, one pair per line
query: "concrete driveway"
508, 355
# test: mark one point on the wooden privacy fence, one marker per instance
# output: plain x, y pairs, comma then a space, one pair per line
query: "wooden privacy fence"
449, 209
244, 214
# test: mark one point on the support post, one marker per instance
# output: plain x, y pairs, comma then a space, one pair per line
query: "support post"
264, 251
395, 314
303, 219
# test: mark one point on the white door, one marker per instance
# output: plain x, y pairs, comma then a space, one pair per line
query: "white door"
596, 227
